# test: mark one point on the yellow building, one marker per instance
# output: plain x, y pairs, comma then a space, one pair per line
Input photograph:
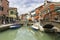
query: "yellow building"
13, 14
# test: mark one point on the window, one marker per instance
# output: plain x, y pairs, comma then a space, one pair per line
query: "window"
0, 1
57, 9
48, 10
1, 8
7, 4
34, 15
44, 12
11, 12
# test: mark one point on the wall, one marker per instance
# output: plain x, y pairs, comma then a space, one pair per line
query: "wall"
5, 5
14, 12
51, 12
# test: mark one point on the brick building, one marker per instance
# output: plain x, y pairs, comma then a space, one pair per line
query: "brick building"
4, 7
49, 11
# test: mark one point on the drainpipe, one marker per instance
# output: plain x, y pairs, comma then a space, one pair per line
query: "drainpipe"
17, 16
39, 17
9, 19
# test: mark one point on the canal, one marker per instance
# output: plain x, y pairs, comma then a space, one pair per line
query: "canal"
26, 33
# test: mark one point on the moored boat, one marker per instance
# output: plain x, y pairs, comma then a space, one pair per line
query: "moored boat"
15, 26
37, 26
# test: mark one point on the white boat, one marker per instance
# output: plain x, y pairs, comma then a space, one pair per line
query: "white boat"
50, 28
37, 26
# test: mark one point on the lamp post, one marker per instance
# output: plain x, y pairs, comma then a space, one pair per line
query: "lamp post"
39, 17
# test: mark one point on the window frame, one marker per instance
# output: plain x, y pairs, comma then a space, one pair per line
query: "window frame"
1, 8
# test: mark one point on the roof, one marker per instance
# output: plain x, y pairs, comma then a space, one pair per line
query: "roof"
12, 8
53, 2
48, 3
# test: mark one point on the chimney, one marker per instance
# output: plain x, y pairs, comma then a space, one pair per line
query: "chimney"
45, 2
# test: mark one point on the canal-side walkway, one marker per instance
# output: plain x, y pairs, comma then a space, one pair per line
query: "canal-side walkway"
4, 25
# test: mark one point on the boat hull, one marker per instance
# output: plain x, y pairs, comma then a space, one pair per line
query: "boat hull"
15, 26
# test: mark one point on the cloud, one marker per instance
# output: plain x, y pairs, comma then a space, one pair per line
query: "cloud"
24, 6
55, 0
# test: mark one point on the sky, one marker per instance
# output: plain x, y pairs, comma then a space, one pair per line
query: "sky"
25, 6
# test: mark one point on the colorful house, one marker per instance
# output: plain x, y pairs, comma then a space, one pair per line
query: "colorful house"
49, 11
13, 14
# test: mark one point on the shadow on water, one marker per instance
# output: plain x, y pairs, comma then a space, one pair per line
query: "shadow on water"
57, 36
47, 36
1, 31
8, 34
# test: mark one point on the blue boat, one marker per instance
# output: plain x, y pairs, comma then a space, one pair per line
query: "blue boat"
15, 26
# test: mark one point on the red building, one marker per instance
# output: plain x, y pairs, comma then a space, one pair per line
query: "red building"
4, 8
48, 11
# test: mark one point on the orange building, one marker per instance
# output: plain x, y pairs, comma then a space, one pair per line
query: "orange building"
48, 11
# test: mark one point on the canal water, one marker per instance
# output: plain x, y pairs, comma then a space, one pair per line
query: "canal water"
26, 33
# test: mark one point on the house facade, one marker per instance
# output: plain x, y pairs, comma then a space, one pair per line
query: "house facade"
13, 14
49, 11
4, 8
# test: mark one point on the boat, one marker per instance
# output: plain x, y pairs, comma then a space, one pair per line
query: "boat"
34, 27
37, 26
15, 26
46, 28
